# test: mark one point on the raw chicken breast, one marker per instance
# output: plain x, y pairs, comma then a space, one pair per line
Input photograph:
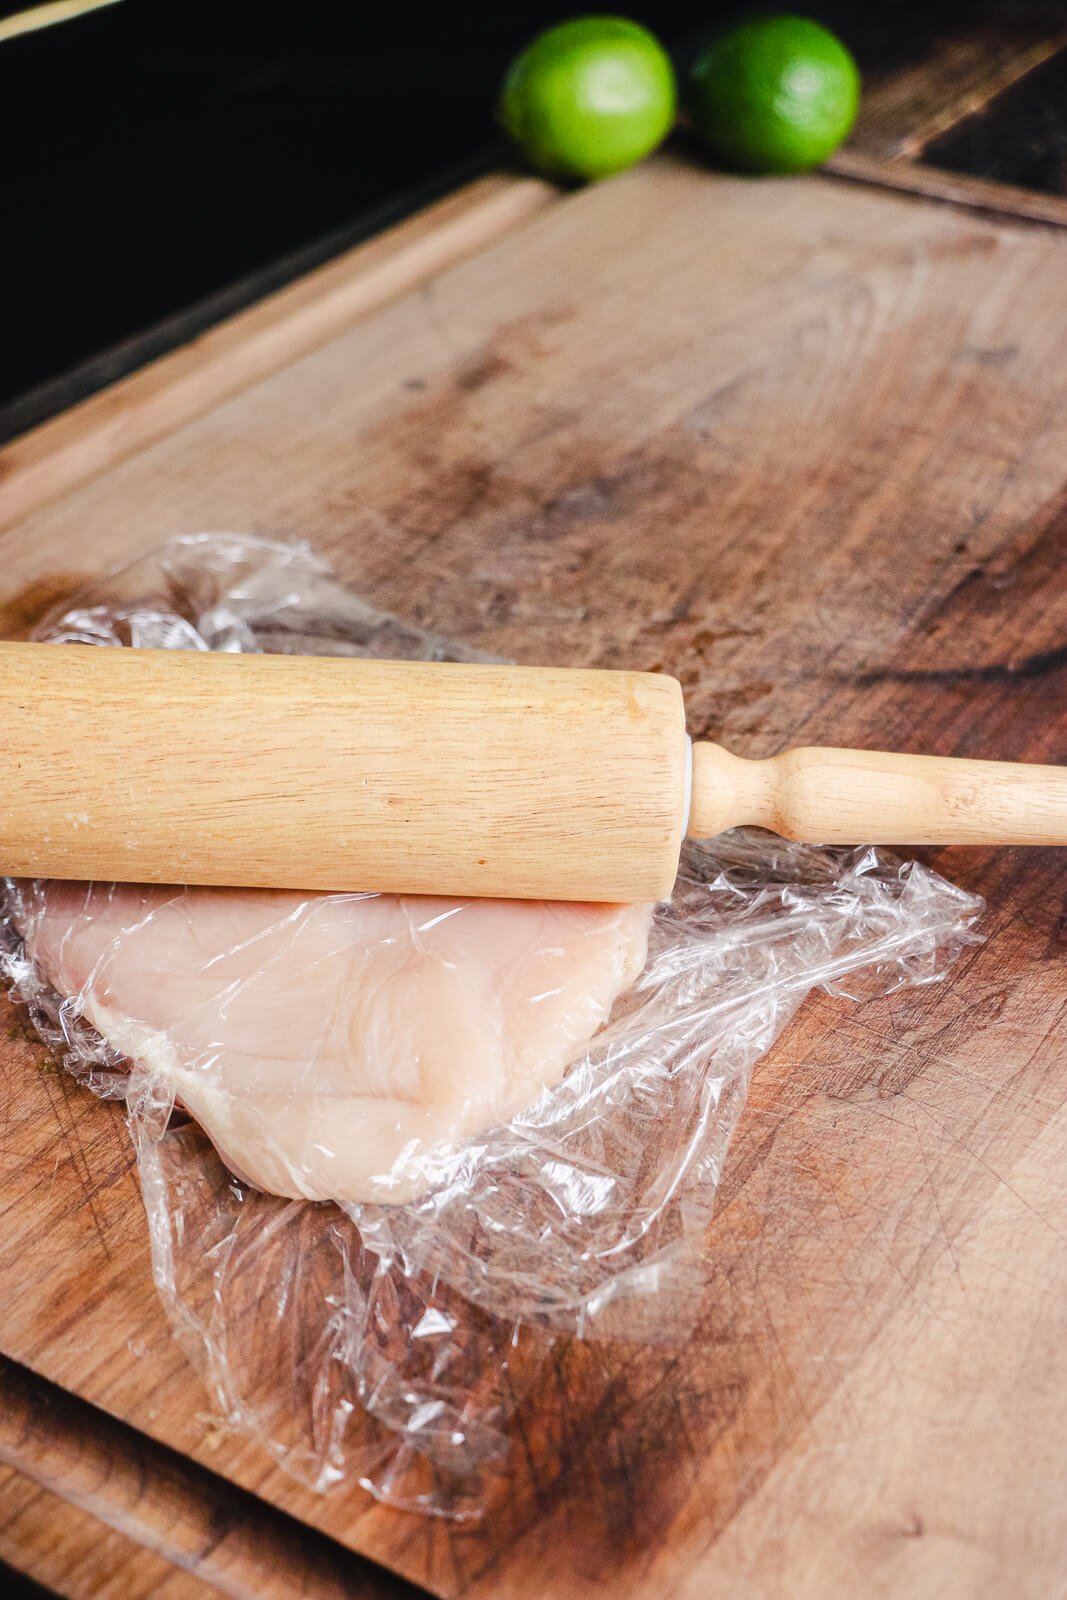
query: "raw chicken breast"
324, 1042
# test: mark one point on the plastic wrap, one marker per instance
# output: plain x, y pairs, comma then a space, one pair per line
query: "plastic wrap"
387, 1338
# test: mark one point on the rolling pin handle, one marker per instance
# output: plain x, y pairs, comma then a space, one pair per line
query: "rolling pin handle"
826, 796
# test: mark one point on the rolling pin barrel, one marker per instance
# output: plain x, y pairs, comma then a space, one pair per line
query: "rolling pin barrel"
327, 773
428, 778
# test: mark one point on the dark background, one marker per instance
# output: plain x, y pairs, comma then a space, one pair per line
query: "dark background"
168, 154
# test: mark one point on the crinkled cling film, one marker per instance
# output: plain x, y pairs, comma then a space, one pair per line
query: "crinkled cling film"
386, 1339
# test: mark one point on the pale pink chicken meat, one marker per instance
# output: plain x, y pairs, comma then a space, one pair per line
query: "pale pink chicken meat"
325, 1042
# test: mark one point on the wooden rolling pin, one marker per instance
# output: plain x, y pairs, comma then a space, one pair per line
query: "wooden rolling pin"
325, 773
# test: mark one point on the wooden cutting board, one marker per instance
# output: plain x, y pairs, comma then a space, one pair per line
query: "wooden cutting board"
805, 445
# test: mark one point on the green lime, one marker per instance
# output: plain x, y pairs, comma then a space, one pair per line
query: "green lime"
589, 97
775, 95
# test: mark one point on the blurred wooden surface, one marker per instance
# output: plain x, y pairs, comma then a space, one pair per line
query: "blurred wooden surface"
968, 108
71, 1553
98, 1512
805, 445
963, 69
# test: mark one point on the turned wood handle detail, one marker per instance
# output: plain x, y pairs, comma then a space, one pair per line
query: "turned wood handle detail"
827, 796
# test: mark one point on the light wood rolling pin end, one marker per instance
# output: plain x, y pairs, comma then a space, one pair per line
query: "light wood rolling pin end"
827, 796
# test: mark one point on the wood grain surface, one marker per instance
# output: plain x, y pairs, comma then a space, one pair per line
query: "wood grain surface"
71, 1475
70, 1553
804, 445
